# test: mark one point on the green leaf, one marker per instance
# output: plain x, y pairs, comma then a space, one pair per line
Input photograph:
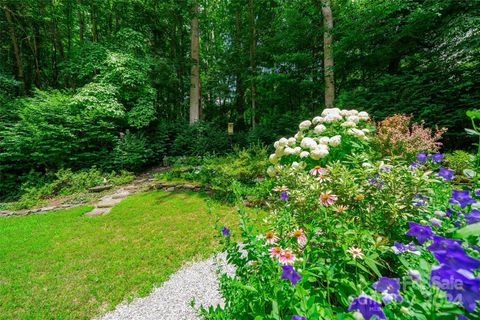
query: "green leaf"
468, 231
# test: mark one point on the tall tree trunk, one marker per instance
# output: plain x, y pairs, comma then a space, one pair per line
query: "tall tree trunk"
328, 54
81, 22
195, 68
253, 63
16, 49
239, 90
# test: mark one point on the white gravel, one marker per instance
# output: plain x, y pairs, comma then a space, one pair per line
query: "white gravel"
196, 281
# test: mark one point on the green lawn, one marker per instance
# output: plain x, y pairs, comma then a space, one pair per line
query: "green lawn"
63, 265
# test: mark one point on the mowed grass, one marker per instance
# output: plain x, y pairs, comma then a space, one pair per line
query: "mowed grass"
63, 265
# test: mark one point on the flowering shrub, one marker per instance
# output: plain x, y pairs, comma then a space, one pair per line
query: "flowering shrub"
333, 135
396, 136
358, 239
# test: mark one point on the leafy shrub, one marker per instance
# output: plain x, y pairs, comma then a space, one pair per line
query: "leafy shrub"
459, 160
132, 152
397, 136
201, 139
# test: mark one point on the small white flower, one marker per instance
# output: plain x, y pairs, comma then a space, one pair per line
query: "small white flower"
308, 143
304, 154
298, 136
319, 152
273, 158
288, 151
305, 125
347, 124
366, 165
279, 152
335, 140
276, 144
354, 119
295, 165
344, 112
319, 128
317, 120
324, 140
291, 141
352, 112
297, 150
283, 142
363, 115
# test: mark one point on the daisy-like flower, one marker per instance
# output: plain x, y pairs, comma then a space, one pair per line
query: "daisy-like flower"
359, 197
301, 238
275, 252
271, 237
317, 170
340, 209
327, 198
286, 257
323, 178
356, 252
282, 188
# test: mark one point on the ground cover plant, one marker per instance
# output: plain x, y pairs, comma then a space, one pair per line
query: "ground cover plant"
63, 265
358, 236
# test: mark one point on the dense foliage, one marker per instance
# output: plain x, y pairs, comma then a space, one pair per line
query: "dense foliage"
106, 83
357, 237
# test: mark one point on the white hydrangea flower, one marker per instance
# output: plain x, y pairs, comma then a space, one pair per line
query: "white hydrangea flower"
298, 136
279, 152
305, 125
344, 112
297, 150
291, 141
308, 143
295, 165
355, 119
271, 171
348, 124
353, 112
273, 158
318, 120
319, 128
331, 117
319, 152
276, 144
335, 140
283, 142
363, 115
324, 140
304, 154
288, 151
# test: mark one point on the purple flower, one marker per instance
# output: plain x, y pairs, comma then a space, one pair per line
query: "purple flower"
461, 198
450, 212
225, 231
419, 231
436, 222
446, 174
477, 192
455, 257
414, 165
461, 317
422, 157
420, 200
298, 318
367, 307
473, 216
443, 244
289, 273
399, 247
388, 287
437, 157
284, 196
460, 285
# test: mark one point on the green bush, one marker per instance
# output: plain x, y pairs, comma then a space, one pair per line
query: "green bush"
459, 160
132, 152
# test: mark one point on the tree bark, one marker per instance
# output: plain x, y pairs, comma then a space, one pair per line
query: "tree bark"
253, 64
328, 54
16, 49
195, 68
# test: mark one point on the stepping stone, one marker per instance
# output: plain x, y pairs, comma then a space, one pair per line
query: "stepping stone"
97, 212
130, 187
100, 188
108, 203
171, 189
120, 195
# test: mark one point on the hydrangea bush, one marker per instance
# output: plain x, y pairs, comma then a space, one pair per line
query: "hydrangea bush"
353, 238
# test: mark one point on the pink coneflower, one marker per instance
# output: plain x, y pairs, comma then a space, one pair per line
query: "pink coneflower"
275, 252
282, 188
286, 257
323, 178
356, 252
271, 237
301, 238
327, 198
317, 170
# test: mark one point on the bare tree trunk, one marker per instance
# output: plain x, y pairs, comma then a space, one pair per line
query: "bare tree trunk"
253, 64
328, 54
16, 49
195, 69
81, 22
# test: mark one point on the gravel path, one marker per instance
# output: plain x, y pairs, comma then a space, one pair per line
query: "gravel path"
172, 301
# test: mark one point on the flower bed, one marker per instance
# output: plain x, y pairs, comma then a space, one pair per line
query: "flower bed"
353, 236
